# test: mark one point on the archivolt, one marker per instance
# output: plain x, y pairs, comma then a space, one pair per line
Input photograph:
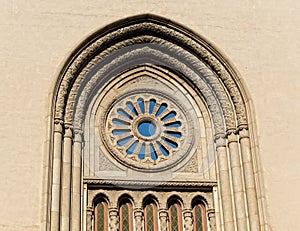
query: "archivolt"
196, 56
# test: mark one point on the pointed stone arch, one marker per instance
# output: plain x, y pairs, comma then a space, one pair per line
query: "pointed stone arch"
171, 49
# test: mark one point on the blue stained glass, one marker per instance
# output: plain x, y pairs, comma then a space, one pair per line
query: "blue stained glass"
172, 133
124, 114
173, 124
132, 108
153, 153
120, 131
161, 109
171, 143
146, 128
124, 141
164, 151
142, 152
151, 105
120, 122
131, 149
141, 105
169, 116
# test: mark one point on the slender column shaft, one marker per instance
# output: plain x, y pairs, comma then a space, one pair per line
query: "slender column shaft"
84, 206
217, 209
138, 217
89, 219
237, 182
224, 184
55, 194
163, 218
188, 220
249, 180
113, 219
76, 182
66, 180
212, 219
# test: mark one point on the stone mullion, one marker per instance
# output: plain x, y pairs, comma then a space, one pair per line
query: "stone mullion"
250, 188
56, 177
212, 219
225, 189
66, 180
237, 182
139, 219
163, 218
113, 216
89, 218
76, 182
188, 220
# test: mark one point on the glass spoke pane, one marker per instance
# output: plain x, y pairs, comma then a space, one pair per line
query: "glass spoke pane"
152, 105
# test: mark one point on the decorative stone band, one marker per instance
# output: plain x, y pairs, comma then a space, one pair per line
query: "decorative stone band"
191, 184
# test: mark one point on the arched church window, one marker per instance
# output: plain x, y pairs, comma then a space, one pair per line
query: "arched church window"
125, 213
199, 217
175, 216
101, 216
143, 105
150, 216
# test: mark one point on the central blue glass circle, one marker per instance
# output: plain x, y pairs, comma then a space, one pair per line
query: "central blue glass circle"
146, 128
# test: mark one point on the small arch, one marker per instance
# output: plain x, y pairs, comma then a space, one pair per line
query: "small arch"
100, 204
150, 213
175, 214
199, 208
125, 214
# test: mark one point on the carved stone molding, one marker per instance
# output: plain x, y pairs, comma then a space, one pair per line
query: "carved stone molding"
198, 46
193, 184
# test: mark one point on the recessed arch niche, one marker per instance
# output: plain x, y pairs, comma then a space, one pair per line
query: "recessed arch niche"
159, 60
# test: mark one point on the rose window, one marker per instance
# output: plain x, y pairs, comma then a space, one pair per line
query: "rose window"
146, 129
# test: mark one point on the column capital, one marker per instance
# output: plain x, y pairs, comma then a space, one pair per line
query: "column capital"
232, 137
78, 135
243, 133
58, 125
68, 131
220, 142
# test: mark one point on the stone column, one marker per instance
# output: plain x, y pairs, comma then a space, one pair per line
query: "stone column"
212, 219
138, 217
163, 218
251, 196
76, 182
66, 180
89, 218
113, 219
56, 165
237, 182
84, 207
188, 220
225, 189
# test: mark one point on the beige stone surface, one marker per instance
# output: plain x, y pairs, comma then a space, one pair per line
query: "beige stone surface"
261, 38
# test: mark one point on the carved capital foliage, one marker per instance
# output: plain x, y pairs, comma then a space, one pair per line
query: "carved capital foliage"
218, 89
58, 126
68, 131
243, 133
220, 142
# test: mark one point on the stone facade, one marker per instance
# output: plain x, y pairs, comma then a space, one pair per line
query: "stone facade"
253, 36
